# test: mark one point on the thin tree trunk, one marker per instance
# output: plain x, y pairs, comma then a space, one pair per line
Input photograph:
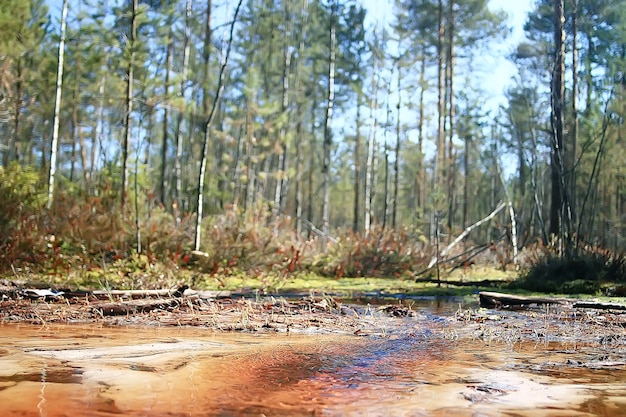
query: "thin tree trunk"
369, 164
574, 140
206, 57
439, 157
357, 164
396, 163
178, 172
299, 125
98, 129
166, 116
57, 108
130, 72
75, 123
77, 136
386, 182
249, 164
281, 179
238, 167
450, 166
466, 183
327, 129
207, 136
420, 135
559, 219
312, 153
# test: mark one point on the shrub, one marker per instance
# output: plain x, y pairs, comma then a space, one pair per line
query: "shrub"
382, 253
586, 272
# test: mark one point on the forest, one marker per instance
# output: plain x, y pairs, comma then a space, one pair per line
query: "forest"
271, 137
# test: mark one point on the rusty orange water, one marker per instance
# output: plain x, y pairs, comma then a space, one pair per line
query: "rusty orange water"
97, 371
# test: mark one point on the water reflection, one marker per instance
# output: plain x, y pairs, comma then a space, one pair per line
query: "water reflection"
86, 371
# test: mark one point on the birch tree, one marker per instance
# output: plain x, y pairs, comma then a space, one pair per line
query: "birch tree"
57, 108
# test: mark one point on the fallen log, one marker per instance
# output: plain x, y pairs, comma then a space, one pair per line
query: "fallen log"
103, 294
599, 306
134, 307
207, 294
501, 300
481, 283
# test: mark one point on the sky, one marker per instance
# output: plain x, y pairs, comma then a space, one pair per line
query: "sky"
496, 70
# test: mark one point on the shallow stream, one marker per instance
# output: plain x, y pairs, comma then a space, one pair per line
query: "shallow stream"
72, 370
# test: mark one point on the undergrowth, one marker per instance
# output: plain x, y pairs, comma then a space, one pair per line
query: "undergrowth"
590, 270
91, 241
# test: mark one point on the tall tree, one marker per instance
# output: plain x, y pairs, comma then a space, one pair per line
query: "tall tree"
330, 103
560, 215
130, 79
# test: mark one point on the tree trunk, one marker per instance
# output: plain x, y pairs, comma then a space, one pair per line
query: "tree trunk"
75, 124
357, 164
327, 128
421, 176
440, 156
178, 171
387, 179
450, 165
574, 133
206, 57
369, 164
466, 170
130, 71
396, 163
558, 221
281, 179
163, 187
312, 153
249, 165
299, 192
57, 108
209, 120
98, 130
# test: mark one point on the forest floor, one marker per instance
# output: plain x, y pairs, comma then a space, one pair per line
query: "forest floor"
311, 312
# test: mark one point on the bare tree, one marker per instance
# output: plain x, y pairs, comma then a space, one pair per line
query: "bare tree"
57, 108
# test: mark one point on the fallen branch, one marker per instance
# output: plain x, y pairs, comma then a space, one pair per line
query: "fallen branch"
481, 283
599, 306
466, 256
467, 231
120, 309
501, 300
103, 294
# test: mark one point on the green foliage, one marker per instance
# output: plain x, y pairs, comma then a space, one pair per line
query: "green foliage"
21, 231
21, 192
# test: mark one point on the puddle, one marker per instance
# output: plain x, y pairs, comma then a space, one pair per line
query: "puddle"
103, 371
